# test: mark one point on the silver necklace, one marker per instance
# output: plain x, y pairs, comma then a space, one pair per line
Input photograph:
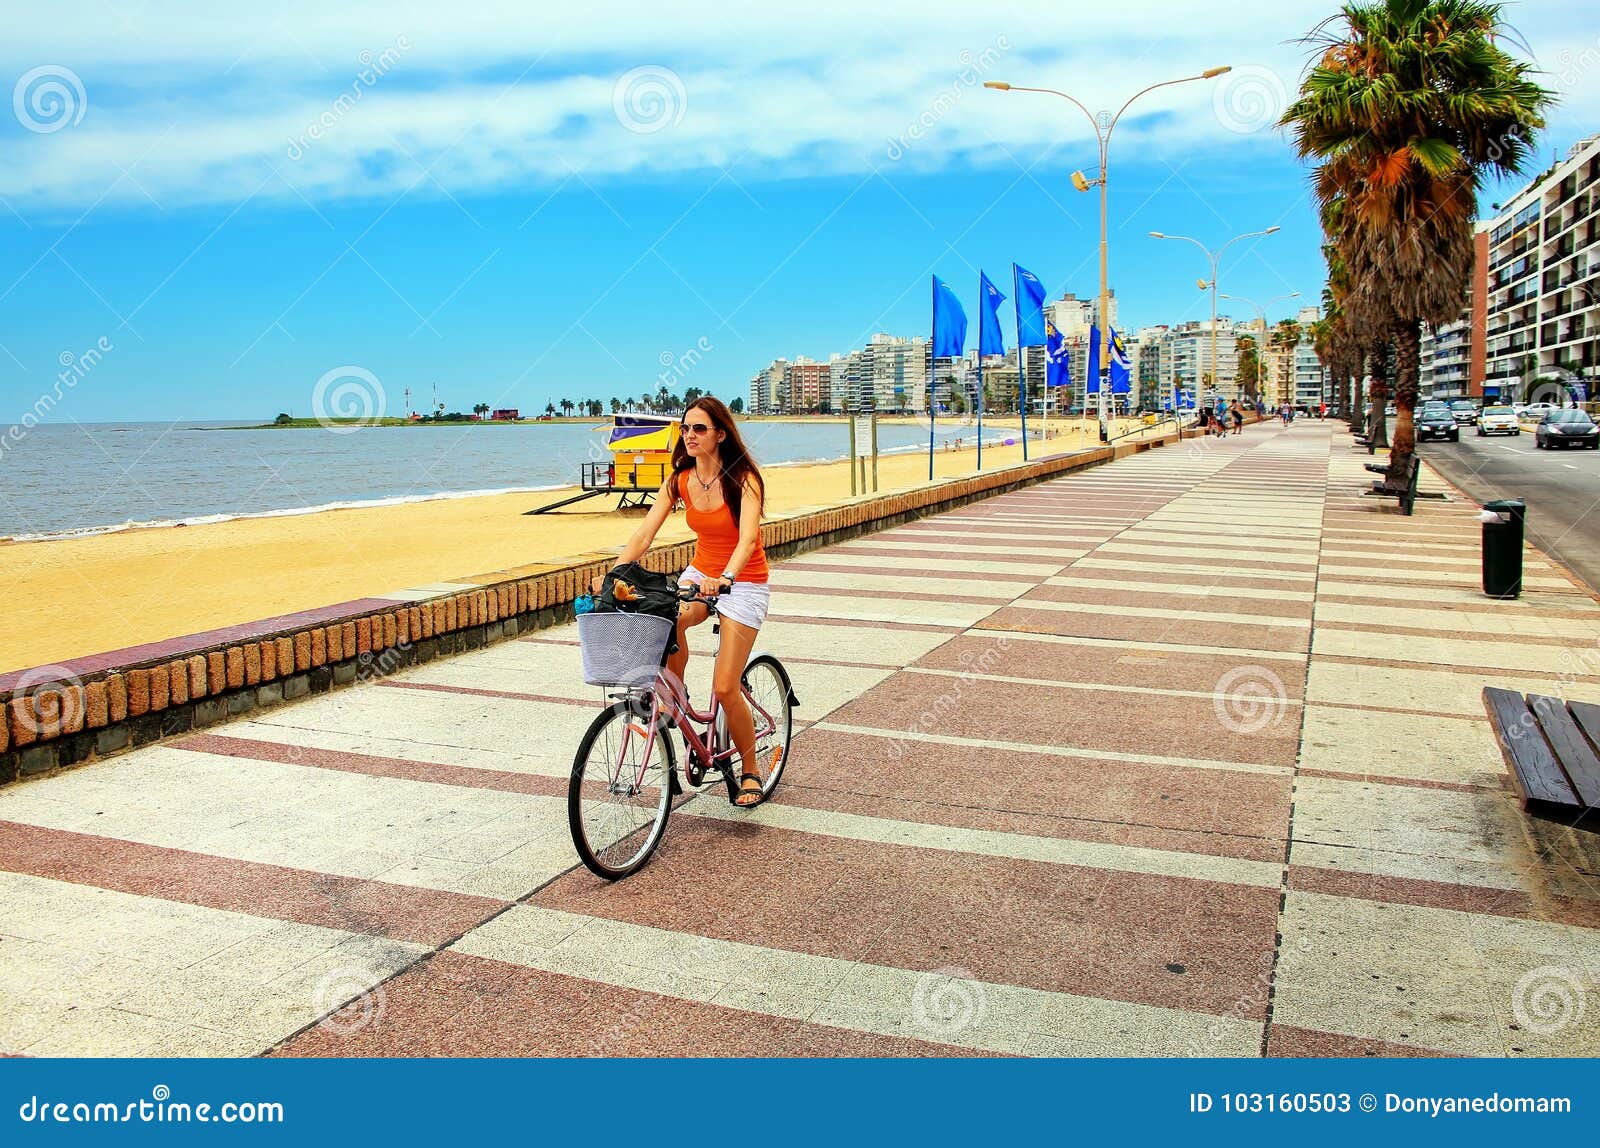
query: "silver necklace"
707, 485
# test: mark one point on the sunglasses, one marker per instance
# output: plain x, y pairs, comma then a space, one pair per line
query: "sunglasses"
695, 428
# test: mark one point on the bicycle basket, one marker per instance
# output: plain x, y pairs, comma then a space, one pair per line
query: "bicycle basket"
622, 649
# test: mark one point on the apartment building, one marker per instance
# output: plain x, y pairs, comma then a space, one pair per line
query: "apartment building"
1531, 328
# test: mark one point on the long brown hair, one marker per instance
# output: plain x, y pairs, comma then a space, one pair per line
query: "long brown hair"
737, 465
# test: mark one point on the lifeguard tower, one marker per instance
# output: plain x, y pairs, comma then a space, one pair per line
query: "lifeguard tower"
641, 458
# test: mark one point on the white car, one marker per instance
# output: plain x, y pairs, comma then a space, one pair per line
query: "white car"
1534, 412
1498, 420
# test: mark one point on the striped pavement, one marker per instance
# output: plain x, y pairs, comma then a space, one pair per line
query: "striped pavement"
1182, 755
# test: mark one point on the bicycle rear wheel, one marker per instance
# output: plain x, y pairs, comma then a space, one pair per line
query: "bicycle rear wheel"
766, 685
620, 793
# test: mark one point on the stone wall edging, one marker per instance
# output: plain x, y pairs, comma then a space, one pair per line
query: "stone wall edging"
56, 724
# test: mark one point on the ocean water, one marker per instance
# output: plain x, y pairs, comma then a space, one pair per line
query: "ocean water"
63, 479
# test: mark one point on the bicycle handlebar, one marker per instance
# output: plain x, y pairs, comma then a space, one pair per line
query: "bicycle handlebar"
695, 594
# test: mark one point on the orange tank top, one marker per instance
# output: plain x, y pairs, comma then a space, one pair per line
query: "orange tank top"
716, 537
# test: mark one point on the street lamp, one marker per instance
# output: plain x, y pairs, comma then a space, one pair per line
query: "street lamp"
1260, 308
1215, 257
1084, 183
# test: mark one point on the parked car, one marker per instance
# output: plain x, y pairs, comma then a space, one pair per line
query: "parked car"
1567, 428
1434, 420
1465, 412
1534, 412
1389, 409
1498, 420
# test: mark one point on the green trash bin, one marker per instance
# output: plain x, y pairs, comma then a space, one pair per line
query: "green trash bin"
1502, 547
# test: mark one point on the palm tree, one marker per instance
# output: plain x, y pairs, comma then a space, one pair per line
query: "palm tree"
1411, 104
1249, 370
616, 404
480, 409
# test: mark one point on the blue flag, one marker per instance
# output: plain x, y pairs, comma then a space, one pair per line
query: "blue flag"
1121, 377
1093, 387
990, 341
1030, 308
949, 323
1058, 362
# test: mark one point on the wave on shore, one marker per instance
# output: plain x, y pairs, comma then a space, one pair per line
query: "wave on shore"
286, 512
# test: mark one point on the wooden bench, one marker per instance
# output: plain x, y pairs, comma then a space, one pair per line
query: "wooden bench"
1549, 747
1405, 490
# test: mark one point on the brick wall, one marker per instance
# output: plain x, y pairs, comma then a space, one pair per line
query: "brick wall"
55, 717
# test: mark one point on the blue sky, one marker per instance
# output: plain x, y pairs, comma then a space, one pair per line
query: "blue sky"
519, 210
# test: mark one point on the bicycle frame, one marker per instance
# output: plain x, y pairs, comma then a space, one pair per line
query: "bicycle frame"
667, 697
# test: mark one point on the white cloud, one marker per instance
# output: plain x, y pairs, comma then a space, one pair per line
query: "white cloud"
192, 102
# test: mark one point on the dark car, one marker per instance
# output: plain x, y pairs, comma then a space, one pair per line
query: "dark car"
1465, 412
1435, 421
1567, 428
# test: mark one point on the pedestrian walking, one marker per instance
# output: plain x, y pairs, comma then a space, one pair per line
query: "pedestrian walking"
1237, 412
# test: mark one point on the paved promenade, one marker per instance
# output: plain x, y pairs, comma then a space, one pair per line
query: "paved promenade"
1180, 755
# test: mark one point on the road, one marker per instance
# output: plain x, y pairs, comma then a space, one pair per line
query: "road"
1561, 488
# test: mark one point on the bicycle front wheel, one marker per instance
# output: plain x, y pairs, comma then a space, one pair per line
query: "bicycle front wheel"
620, 793
766, 685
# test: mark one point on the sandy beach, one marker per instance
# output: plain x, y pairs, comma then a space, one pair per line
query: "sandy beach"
79, 596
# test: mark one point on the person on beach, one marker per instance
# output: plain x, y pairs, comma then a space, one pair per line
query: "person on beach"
722, 492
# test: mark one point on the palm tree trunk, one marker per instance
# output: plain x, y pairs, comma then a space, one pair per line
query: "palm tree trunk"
1408, 356
1378, 367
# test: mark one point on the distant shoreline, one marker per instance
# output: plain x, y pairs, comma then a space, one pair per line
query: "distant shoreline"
357, 424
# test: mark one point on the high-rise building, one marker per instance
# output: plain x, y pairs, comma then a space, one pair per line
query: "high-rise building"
1192, 366
1446, 361
1310, 378
766, 388
1152, 370
1072, 315
1532, 322
808, 386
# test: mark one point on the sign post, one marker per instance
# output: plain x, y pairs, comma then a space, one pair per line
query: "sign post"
863, 446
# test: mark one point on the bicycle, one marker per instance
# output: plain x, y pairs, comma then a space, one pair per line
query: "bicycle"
624, 775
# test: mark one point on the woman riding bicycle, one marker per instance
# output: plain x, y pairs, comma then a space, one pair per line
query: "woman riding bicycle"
720, 486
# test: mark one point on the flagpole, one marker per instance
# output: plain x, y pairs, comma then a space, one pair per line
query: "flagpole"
1022, 360
933, 366
980, 403
982, 304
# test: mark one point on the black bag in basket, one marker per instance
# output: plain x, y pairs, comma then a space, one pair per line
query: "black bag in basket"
643, 592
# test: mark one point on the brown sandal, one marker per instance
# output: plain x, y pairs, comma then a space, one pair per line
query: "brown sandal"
744, 780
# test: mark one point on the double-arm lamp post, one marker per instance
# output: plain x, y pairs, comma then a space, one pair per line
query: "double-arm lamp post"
1104, 124
1216, 258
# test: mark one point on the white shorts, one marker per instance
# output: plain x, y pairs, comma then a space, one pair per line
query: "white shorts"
746, 603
